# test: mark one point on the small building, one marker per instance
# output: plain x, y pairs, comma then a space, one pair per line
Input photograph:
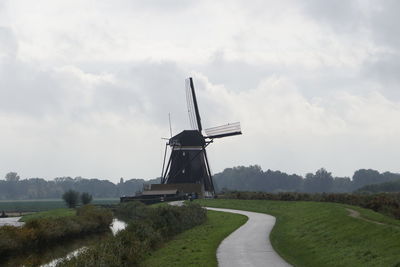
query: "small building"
166, 192
183, 189
159, 193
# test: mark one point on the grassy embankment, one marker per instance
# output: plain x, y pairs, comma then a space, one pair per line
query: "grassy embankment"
50, 214
197, 246
323, 234
44, 204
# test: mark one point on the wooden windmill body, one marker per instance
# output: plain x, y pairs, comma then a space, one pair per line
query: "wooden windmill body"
188, 162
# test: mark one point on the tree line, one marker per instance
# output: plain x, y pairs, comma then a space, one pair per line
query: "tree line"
241, 178
13, 187
253, 178
389, 187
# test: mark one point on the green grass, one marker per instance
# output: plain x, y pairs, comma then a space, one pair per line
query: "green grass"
56, 213
322, 234
197, 246
43, 204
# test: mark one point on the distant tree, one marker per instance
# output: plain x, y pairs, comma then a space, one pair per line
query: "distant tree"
12, 177
86, 198
364, 177
392, 186
71, 198
389, 176
253, 178
321, 181
341, 185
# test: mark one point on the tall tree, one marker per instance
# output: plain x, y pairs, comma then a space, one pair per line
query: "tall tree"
71, 198
86, 198
341, 185
12, 177
321, 181
364, 177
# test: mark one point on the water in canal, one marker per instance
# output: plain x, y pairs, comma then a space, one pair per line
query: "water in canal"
14, 221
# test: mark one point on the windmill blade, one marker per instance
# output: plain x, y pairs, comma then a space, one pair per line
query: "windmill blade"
190, 106
224, 130
193, 109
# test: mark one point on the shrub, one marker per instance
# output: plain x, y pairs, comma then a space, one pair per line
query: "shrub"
386, 203
147, 229
46, 231
134, 210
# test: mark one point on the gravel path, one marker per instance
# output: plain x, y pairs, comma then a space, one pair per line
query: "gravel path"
249, 245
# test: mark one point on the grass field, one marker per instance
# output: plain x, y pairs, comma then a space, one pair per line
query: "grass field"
322, 234
43, 204
63, 212
197, 246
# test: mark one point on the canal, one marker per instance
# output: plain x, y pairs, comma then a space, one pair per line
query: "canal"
49, 257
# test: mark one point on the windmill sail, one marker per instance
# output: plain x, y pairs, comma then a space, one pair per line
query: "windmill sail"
188, 167
193, 109
223, 130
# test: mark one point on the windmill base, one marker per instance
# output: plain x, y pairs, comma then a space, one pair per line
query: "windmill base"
155, 193
181, 188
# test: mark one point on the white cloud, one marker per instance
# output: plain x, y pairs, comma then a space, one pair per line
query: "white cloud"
86, 87
284, 130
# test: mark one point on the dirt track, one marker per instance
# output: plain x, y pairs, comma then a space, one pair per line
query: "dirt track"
356, 214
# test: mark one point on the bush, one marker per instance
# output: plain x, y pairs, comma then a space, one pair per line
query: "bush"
38, 233
147, 229
386, 203
134, 210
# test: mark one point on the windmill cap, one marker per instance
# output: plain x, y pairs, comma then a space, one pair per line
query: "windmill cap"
188, 138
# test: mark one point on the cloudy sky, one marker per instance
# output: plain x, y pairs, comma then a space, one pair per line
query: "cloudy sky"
86, 86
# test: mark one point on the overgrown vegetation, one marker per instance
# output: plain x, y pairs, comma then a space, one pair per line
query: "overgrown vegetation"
147, 229
43, 232
323, 234
197, 246
386, 203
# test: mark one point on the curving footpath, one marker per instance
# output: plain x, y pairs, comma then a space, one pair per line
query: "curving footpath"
249, 245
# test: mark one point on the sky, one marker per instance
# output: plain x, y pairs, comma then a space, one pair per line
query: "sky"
86, 86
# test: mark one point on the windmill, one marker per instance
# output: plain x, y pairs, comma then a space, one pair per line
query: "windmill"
188, 162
